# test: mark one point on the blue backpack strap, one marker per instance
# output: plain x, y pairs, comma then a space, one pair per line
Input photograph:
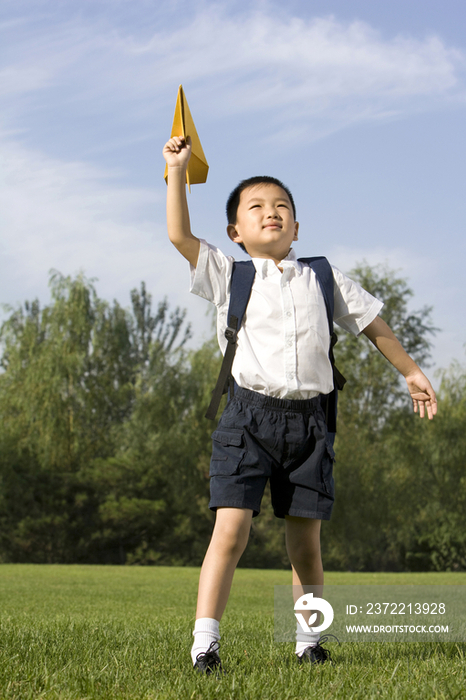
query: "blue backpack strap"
324, 274
242, 278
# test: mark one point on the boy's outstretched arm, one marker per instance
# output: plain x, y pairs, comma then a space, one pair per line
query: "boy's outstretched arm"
419, 387
177, 152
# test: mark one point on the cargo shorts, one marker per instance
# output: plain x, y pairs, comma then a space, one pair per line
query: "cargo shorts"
261, 438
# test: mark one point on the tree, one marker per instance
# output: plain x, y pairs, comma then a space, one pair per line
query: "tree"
105, 451
372, 406
153, 492
432, 466
70, 375
374, 386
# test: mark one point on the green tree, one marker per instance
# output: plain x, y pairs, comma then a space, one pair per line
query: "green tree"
372, 407
153, 492
105, 451
432, 467
374, 386
69, 380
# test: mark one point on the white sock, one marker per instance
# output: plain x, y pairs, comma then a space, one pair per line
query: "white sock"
305, 640
206, 631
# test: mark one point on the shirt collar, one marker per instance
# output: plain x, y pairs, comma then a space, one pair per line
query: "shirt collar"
266, 266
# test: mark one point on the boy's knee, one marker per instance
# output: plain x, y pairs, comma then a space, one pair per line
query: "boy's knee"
303, 543
231, 532
303, 552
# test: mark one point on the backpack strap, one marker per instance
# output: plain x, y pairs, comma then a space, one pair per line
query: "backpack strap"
242, 278
324, 274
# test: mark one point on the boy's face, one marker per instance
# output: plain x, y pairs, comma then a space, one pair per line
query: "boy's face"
264, 222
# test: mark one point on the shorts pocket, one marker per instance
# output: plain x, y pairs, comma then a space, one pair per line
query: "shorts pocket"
327, 469
330, 451
228, 451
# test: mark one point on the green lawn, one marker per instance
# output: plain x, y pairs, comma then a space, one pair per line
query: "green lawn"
120, 632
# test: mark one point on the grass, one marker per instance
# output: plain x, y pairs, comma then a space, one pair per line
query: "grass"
79, 632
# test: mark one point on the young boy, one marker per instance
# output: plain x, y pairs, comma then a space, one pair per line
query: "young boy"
274, 427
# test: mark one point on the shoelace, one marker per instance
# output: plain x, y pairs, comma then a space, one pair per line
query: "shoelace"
211, 655
321, 653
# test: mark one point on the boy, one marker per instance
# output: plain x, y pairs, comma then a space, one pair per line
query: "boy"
273, 428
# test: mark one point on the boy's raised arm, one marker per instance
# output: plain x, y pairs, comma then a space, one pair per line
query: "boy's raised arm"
422, 393
177, 152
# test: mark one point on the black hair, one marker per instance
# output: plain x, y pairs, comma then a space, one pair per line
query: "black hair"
233, 199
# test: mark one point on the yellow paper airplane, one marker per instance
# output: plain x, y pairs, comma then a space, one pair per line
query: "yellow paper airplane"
183, 125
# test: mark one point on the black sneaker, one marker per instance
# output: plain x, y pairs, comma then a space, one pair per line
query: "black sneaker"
317, 654
208, 662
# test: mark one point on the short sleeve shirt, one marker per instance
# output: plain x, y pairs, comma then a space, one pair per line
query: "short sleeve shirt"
283, 342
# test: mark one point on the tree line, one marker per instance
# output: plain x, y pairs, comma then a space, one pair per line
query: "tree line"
104, 448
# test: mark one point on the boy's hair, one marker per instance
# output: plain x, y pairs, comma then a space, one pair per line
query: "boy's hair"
233, 199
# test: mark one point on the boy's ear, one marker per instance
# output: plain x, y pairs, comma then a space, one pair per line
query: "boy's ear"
296, 227
233, 234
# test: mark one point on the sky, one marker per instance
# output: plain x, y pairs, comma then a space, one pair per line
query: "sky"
359, 107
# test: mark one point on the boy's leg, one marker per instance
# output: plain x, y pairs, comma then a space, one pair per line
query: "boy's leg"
228, 542
303, 547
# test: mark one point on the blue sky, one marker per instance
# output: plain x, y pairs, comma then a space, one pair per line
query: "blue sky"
358, 106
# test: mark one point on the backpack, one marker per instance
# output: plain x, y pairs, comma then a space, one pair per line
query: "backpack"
242, 278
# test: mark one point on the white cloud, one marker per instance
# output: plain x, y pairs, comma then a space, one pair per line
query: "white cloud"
345, 258
73, 216
327, 72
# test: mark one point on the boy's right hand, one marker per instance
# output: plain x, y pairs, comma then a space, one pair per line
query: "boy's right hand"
177, 152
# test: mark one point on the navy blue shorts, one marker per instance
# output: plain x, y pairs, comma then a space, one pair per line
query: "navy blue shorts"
259, 438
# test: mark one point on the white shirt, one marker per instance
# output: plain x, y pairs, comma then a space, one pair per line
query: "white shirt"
283, 342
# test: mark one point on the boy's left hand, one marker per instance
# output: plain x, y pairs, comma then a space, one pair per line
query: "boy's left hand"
422, 394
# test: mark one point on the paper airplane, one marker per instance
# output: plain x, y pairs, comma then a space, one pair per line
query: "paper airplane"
183, 125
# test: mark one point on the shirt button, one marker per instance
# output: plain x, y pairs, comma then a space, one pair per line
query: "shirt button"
289, 343
288, 313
